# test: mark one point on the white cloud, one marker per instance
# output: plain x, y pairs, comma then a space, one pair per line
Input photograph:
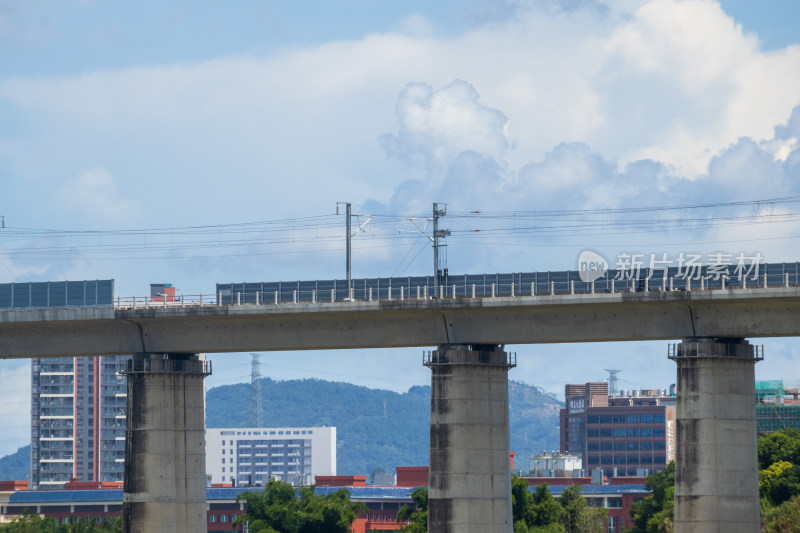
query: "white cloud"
437, 126
94, 193
673, 81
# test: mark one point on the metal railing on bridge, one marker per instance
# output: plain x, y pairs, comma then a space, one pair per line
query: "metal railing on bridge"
473, 286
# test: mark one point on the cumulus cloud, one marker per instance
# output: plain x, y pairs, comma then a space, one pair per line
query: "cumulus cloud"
436, 126
578, 104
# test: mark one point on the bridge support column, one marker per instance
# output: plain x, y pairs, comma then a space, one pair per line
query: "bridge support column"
165, 470
469, 477
716, 476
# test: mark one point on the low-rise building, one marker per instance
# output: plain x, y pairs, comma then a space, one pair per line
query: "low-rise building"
252, 456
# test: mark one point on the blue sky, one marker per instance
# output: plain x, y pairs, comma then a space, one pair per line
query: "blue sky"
119, 116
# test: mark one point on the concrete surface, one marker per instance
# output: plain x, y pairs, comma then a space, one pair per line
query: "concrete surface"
716, 478
470, 471
69, 331
165, 455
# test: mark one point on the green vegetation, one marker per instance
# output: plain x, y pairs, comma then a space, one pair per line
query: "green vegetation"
655, 513
279, 508
368, 435
540, 512
418, 516
778, 484
779, 481
33, 523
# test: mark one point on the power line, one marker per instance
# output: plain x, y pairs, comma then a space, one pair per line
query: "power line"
322, 234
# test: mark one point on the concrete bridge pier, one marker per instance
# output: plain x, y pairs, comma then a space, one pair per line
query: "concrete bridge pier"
469, 477
165, 452
716, 477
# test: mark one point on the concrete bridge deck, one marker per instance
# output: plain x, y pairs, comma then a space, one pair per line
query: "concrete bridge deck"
195, 328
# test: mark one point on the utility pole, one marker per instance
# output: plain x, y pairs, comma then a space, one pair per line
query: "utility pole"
437, 233
349, 249
349, 236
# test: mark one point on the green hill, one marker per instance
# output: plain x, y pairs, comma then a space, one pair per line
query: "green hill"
16, 466
376, 428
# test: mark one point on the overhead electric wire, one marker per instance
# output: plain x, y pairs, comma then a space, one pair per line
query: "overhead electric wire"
316, 233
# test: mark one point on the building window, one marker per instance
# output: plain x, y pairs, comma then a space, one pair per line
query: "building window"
614, 503
633, 432
659, 445
619, 432
632, 418
619, 419
592, 419
633, 445
646, 446
605, 419
593, 446
592, 432
212, 518
223, 518
658, 432
646, 432
606, 445
658, 418
619, 445
633, 459
645, 418
594, 460
605, 432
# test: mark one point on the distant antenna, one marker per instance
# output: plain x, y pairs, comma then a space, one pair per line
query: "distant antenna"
612, 380
2, 221
256, 408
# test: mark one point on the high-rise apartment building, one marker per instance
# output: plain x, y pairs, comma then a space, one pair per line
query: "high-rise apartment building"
629, 434
77, 420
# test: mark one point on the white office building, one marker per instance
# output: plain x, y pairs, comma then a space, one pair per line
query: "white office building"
251, 456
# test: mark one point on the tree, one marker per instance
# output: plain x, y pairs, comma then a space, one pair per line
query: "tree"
577, 516
281, 509
418, 516
655, 513
32, 523
779, 466
783, 445
783, 518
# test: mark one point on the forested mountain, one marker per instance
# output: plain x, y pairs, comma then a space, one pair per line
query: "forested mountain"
17, 465
377, 428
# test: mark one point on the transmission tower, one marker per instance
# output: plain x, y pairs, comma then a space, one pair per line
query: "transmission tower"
612, 380
256, 409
